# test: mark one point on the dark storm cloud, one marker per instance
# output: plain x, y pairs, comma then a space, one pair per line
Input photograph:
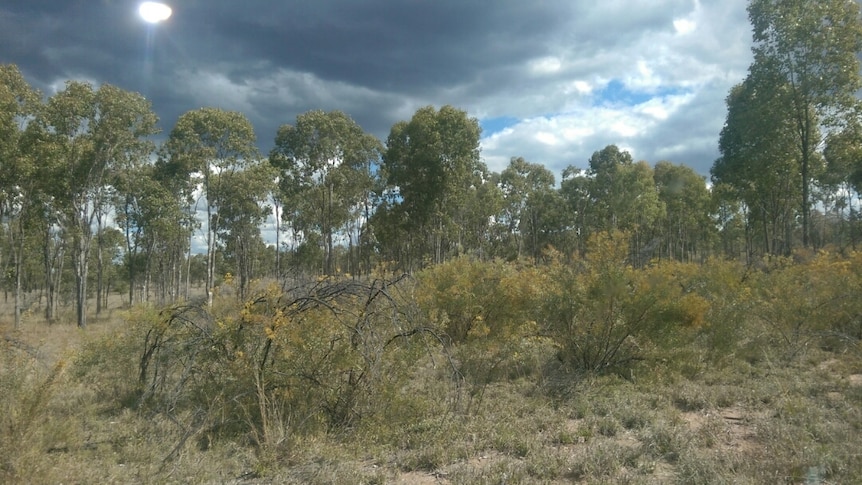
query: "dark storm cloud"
401, 47
50, 40
380, 60
410, 47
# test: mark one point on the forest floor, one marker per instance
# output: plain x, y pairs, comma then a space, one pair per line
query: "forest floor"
748, 420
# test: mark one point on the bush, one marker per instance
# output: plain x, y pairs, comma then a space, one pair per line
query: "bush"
26, 426
316, 357
813, 302
487, 313
604, 315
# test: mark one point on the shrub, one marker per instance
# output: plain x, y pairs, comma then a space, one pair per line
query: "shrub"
487, 312
320, 356
812, 302
26, 429
603, 314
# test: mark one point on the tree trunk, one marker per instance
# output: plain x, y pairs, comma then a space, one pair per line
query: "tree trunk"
131, 252
210, 283
99, 267
53, 262
277, 243
18, 265
80, 254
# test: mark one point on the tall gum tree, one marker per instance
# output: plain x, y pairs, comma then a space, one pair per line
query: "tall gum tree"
242, 210
843, 178
19, 103
432, 167
124, 124
92, 132
325, 162
760, 165
808, 50
525, 185
208, 142
686, 227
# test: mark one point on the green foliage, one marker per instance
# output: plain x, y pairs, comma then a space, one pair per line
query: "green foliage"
725, 286
219, 148
326, 164
488, 313
614, 194
812, 303
280, 363
805, 75
469, 299
623, 191
533, 212
81, 137
759, 165
686, 228
604, 315
27, 426
436, 187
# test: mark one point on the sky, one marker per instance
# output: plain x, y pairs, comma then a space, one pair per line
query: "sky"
549, 80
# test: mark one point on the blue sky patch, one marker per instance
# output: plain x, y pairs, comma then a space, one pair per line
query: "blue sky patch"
496, 125
616, 92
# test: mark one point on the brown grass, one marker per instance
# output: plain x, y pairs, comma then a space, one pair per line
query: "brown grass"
678, 421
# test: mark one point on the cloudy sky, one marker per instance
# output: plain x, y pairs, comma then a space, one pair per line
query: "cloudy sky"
549, 80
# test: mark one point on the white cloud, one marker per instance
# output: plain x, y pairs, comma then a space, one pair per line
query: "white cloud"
582, 87
546, 138
662, 108
684, 26
546, 65
678, 82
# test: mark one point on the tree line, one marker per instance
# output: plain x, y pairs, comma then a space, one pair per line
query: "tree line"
90, 203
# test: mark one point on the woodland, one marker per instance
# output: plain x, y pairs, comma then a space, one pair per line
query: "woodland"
422, 319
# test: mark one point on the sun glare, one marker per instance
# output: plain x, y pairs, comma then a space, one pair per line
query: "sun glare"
154, 12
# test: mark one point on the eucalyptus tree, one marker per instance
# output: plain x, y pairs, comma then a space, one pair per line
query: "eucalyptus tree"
104, 258
209, 142
242, 210
121, 131
843, 177
806, 52
621, 191
326, 166
760, 165
150, 202
431, 167
90, 133
19, 103
643, 208
178, 207
730, 219
481, 202
686, 227
575, 192
615, 193
526, 187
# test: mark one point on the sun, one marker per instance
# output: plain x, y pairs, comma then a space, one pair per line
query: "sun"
154, 12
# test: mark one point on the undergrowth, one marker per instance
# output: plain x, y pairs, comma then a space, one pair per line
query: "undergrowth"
470, 372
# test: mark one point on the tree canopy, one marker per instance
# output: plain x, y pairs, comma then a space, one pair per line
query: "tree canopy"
86, 158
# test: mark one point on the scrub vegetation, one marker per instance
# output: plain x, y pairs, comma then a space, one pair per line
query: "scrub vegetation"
588, 371
427, 320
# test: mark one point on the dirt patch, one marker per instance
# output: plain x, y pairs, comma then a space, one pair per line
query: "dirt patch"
735, 428
855, 379
741, 428
694, 420
420, 478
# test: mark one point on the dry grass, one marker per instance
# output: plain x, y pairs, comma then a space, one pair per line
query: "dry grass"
683, 420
